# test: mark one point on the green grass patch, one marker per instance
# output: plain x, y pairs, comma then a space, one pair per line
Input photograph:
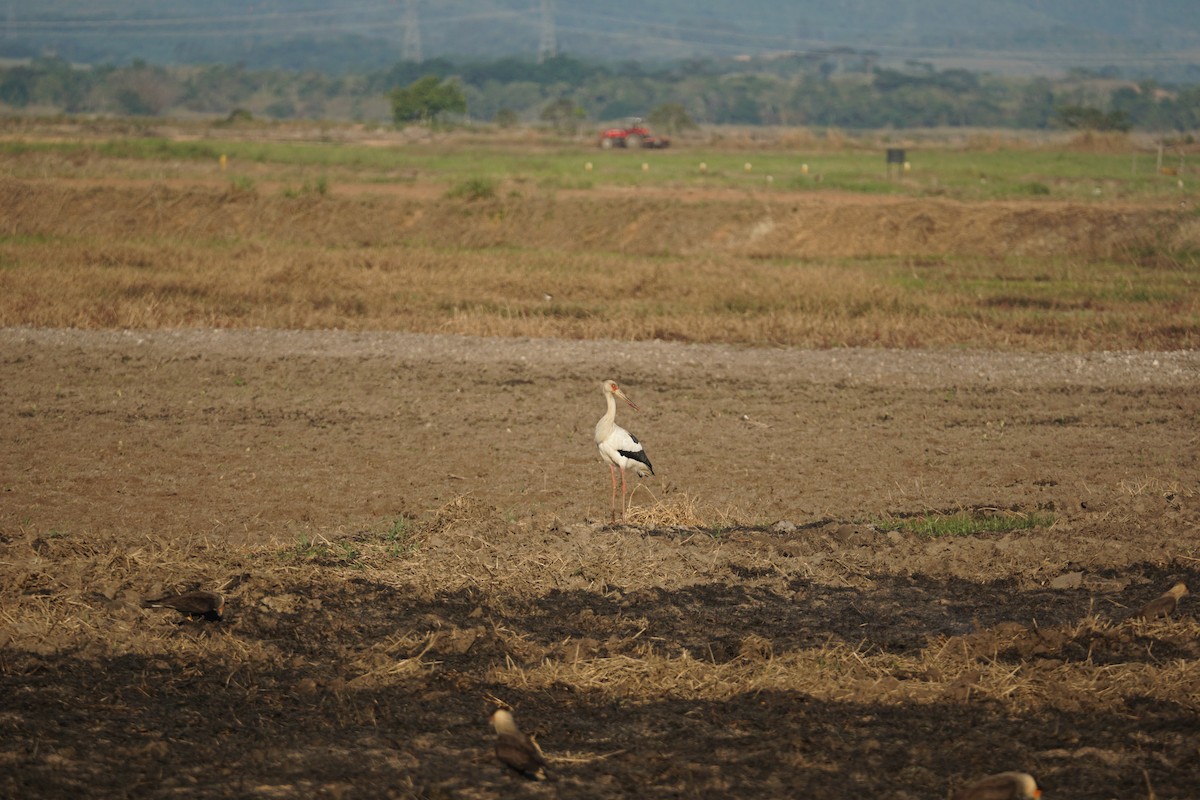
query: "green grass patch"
473, 189
400, 539
240, 184
323, 552
315, 188
966, 523
963, 174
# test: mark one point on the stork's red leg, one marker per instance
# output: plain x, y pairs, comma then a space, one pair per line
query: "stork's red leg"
622, 494
612, 506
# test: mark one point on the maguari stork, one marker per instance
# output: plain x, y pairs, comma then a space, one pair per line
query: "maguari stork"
619, 448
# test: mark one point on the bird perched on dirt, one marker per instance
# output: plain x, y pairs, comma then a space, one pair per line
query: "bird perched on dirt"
1162, 606
619, 448
1002, 786
195, 605
517, 749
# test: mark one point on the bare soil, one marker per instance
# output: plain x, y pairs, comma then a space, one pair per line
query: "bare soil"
411, 527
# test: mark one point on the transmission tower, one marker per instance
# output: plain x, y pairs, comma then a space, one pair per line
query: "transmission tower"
547, 47
410, 47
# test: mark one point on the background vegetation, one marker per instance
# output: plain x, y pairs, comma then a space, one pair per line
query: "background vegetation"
842, 91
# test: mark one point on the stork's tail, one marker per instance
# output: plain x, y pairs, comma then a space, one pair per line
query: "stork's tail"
641, 463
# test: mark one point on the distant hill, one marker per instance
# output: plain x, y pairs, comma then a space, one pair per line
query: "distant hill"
1143, 38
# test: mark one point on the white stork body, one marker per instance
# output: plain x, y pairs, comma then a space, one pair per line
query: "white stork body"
619, 448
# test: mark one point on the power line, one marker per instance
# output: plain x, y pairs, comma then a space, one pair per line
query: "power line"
235, 23
410, 49
547, 46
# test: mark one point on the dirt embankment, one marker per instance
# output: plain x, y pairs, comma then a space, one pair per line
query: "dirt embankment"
636, 221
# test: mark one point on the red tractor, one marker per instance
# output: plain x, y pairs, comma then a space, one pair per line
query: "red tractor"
632, 134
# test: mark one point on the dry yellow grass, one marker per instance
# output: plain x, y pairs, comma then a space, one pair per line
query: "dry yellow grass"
582, 267
839, 672
81, 594
680, 510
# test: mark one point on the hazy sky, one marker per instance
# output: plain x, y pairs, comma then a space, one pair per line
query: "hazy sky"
1102, 31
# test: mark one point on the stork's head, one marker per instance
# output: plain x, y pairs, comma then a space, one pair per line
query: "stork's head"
611, 387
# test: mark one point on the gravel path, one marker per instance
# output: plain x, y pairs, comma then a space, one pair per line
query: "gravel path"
853, 366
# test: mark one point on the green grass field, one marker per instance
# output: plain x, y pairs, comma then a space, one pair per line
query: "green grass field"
985, 174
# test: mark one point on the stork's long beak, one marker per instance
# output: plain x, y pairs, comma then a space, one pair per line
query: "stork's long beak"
621, 394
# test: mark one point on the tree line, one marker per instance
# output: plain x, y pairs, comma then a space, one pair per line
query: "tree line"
570, 93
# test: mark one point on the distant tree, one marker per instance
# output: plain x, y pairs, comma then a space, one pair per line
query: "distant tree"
426, 99
281, 109
132, 103
888, 80
506, 118
671, 118
1035, 104
564, 114
16, 86
564, 69
48, 81
955, 80
141, 90
739, 101
405, 72
759, 91
1087, 118
219, 87
1188, 104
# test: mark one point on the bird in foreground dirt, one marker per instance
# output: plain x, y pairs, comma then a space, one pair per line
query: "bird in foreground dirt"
619, 448
193, 605
1163, 605
1002, 786
517, 749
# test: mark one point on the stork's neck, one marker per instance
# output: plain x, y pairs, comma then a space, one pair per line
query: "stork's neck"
605, 426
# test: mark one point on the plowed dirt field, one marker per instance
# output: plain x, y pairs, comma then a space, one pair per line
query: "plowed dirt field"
411, 528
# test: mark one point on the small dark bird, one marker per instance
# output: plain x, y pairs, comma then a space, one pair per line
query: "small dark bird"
516, 749
1002, 786
193, 605
1162, 606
